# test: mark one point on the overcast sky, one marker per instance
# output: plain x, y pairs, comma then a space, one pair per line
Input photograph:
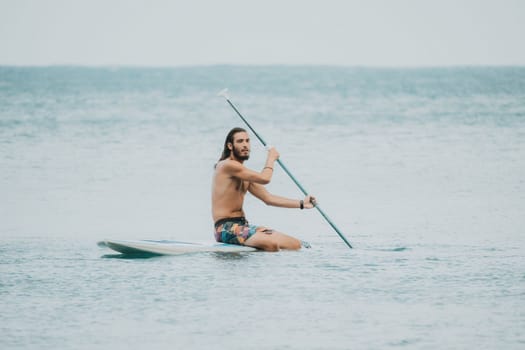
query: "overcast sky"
195, 32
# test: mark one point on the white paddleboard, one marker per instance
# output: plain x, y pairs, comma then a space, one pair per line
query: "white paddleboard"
166, 247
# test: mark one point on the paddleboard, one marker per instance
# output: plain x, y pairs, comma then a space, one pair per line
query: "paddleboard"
167, 247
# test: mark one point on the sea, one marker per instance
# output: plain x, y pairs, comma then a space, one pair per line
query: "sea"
422, 170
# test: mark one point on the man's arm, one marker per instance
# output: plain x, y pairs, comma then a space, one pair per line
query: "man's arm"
239, 171
236, 169
260, 192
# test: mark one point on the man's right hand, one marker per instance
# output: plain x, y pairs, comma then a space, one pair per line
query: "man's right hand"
273, 154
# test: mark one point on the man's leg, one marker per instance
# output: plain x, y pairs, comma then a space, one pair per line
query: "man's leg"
272, 241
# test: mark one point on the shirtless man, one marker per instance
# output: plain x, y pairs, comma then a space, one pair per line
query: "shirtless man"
231, 181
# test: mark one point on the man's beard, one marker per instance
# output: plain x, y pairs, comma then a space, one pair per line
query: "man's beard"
237, 154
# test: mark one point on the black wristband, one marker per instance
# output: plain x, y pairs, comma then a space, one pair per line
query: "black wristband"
301, 204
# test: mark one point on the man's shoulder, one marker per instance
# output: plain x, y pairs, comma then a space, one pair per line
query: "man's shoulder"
228, 165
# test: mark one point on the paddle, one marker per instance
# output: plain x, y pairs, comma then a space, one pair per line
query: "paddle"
224, 93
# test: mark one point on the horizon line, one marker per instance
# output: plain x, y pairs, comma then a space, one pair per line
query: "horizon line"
259, 65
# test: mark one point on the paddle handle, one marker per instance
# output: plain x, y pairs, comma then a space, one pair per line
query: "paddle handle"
287, 171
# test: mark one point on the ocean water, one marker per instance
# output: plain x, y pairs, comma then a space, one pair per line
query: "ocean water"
423, 170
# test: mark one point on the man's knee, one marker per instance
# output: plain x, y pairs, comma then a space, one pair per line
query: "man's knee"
296, 244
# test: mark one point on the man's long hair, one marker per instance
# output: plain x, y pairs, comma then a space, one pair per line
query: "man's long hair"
226, 152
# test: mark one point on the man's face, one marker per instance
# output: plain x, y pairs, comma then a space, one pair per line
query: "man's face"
241, 146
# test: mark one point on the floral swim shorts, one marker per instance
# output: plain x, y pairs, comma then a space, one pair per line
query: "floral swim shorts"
235, 230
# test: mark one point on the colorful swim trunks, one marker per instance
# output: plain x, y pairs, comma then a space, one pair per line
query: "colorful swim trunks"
234, 230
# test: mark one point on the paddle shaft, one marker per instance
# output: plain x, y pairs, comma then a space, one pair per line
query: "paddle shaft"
290, 175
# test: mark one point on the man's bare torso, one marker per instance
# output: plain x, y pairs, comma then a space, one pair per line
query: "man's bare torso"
227, 194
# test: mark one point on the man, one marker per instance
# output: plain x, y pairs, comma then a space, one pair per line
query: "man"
231, 181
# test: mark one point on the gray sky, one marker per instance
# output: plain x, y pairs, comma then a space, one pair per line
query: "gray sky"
195, 32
